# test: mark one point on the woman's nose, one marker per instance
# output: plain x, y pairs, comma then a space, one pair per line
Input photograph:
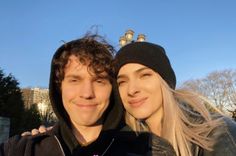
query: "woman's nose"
133, 88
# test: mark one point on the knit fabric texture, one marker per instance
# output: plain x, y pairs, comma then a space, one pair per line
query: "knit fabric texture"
148, 54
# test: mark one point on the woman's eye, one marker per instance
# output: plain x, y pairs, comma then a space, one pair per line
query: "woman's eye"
120, 82
145, 75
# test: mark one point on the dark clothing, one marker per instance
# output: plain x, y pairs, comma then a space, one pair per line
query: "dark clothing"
109, 143
225, 136
60, 141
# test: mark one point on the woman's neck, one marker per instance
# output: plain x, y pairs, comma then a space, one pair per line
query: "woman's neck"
154, 122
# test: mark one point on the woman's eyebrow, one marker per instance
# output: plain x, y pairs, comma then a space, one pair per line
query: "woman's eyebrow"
141, 69
121, 76
136, 71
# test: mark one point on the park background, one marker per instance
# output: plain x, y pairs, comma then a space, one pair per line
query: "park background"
199, 37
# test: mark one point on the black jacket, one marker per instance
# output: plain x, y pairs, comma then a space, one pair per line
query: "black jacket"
113, 139
110, 143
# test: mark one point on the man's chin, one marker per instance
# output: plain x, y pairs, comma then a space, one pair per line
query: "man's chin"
89, 122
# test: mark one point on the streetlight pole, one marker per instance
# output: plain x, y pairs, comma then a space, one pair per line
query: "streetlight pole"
128, 38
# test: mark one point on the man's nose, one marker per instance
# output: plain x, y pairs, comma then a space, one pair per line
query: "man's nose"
87, 90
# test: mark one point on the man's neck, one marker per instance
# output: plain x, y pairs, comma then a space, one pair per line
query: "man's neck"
85, 135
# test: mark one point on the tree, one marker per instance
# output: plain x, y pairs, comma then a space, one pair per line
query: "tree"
11, 104
218, 86
233, 112
31, 118
45, 109
39, 97
48, 117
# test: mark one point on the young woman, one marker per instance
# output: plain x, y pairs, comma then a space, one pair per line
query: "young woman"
146, 84
90, 120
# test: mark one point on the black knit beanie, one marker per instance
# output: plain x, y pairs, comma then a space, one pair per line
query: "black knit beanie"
147, 54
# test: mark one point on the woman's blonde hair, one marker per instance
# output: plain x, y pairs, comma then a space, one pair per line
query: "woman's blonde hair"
186, 120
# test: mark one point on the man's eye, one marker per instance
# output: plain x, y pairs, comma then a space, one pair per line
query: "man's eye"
101, 81
73, 80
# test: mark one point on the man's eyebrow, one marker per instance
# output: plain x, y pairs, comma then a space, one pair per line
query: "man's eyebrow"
104, 77
72, 76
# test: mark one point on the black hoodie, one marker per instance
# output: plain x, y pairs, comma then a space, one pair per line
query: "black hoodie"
115, 139
113, 118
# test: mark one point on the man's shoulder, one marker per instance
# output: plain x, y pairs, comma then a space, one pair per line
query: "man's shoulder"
20, 145
16, 145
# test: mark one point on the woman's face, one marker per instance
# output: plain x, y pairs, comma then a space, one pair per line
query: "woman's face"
140, 91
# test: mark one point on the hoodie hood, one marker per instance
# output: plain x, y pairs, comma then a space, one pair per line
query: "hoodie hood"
113, 116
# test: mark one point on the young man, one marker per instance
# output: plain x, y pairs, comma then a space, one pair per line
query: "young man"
90, 119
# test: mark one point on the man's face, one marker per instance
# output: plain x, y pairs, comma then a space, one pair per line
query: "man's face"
85, 96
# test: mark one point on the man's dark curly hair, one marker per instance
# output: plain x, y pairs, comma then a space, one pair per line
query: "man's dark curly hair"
91, 49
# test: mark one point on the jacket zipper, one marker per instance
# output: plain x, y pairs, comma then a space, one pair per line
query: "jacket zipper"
94, 155
108, 147
63, 153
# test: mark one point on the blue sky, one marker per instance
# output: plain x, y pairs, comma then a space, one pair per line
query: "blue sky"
199, 35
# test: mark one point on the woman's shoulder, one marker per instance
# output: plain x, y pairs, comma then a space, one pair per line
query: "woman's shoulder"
154, 145
145, 142
228, 125
229, 129
161, 146
225, 137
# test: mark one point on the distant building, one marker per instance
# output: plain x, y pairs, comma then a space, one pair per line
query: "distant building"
40, 97
34, 96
